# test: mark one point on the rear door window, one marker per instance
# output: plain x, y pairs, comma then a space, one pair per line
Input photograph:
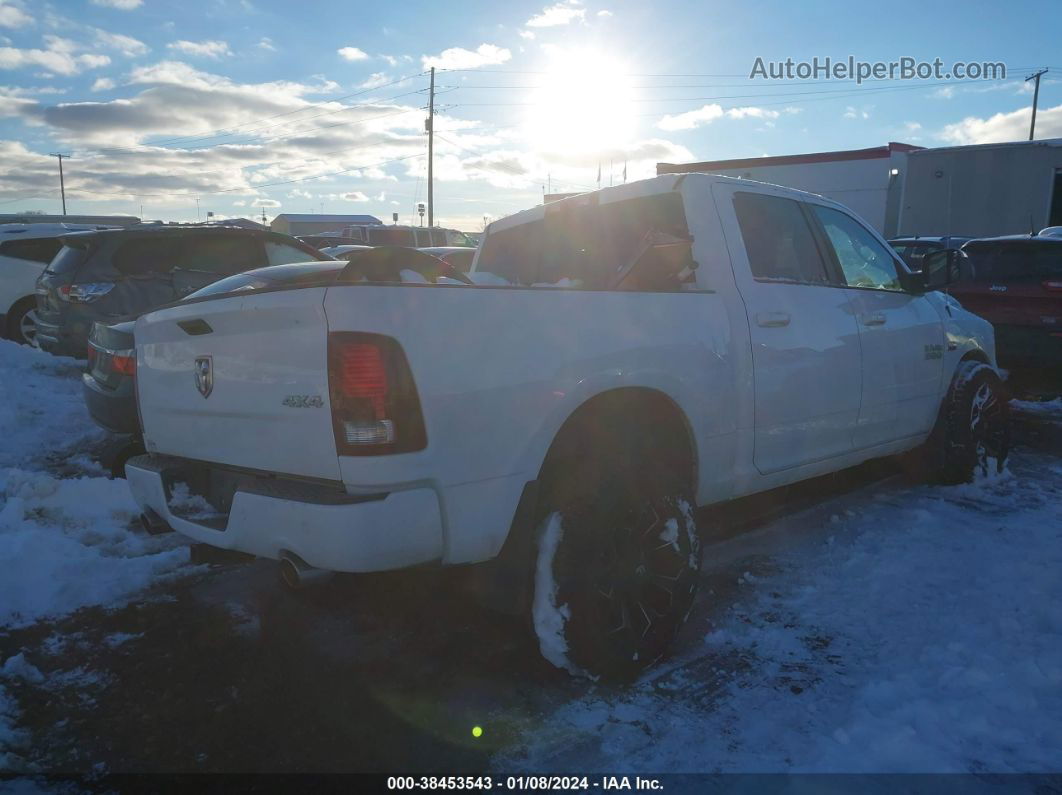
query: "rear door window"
158, 255
438, 237
390, 236
35, 250
423, 237
222, 254
778, 239
283, 254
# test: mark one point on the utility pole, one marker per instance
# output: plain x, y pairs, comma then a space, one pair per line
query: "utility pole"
62, 186
430, 125
1036, 98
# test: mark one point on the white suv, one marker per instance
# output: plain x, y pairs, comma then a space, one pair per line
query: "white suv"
25, 251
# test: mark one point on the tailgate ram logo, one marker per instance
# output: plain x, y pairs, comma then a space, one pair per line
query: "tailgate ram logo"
204, 375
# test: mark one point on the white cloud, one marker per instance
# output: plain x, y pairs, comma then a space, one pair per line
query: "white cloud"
460, 58
266, 43
693, 119
912, 126
103, 84
375, 80
1012, 126
264, 202
126, 45
559, 14
297, 193
121, 5
352, 54
12, 16
211, 48
355, 196
526, 34
57, 58
852, 112
604, 12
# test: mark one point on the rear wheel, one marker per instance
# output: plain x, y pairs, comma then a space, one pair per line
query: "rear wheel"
22, 322
618, 567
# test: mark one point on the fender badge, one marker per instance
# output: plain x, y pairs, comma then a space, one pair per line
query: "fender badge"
204, 375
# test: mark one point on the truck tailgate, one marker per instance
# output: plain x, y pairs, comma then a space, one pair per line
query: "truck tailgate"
241, 380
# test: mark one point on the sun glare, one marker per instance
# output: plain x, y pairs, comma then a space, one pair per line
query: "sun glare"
584, 104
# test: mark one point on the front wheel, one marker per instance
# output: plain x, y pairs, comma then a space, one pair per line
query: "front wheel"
616, 576
973, 431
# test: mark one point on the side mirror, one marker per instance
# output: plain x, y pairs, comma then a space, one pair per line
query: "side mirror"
942, 267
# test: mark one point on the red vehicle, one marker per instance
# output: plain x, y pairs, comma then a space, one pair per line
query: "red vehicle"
1015, 282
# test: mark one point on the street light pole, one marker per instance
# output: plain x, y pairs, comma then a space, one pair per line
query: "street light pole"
62, 185
430, 124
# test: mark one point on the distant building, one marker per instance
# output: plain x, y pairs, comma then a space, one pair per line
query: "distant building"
983, 190
866, 180
243, 223
311, 224
92, 220
980, 190
549, 198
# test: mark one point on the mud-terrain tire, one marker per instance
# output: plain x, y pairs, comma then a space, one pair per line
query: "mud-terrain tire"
972, 434
618, 565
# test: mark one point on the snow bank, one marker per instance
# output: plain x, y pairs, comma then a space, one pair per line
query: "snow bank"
42, 411
919, 632
66, 544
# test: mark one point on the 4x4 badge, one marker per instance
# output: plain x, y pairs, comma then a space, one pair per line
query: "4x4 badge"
204, 375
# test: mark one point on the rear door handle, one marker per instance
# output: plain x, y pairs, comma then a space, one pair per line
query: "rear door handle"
772, 319
876, 319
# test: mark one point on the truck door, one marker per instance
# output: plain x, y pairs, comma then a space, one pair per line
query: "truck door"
805, 341
901, 334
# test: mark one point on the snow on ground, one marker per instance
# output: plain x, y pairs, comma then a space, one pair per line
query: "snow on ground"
65, 543
900, 629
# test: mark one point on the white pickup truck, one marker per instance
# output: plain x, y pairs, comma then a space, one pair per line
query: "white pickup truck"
619, 358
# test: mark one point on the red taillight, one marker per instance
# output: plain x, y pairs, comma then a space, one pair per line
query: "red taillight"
375, 408
125, 364
362, 374
91, 355
1054, 285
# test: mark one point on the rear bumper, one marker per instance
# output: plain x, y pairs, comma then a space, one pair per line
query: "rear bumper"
112, 409
1019, 347
391, 531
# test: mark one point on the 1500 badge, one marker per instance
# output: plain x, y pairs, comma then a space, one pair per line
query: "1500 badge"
934, 351
303, 401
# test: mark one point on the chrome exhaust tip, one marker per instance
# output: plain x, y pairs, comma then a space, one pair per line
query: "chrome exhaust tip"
296, 574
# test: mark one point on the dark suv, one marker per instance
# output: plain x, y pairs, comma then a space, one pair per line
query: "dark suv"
116, 274
1016, 283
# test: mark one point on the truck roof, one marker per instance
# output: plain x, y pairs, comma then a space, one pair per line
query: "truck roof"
633, 190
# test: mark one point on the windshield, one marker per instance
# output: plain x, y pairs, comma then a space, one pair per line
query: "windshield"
1015, 261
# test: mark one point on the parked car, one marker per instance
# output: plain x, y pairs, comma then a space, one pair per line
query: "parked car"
913, 249
111, 274
25, 250
458, 256
324, 241
1051, 231
1015, 283
645, 349
343, 251
407, 236
109, 380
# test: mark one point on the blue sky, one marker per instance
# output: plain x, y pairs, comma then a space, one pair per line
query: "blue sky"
252, 105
